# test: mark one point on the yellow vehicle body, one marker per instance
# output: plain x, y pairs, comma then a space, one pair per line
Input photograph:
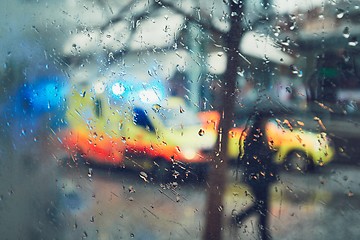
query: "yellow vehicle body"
107, 131
282, 139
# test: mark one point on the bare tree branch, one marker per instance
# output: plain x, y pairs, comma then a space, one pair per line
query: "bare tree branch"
205, 25
157, 4
120, 16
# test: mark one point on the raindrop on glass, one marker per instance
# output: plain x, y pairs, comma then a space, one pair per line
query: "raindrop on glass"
353, 42
150, 73
90, 172
300, 73
340, 13
286, 41
288, 89
131, 189
201, 132
346, 32
240, 72
293, 26
144, 176
294, 69
156, 107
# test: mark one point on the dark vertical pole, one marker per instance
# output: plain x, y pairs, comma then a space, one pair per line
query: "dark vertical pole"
217, 173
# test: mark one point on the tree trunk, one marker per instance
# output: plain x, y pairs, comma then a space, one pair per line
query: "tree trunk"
218, 167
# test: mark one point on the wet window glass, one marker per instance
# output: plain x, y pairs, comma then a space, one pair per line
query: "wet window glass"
189, 119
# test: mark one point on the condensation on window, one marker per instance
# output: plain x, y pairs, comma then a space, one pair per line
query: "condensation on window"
191, 119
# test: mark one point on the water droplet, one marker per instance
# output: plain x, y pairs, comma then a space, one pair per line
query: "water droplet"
144, 176
288, 89
132, 235
131, 189
340, 13
220, 208
300, 73
277, 30
92, 219
295, 70
293, 26
181, 110
176, 174
90, 172
201, 132
286, 41
156, 107
240, 72
266, 59
346, 32
353, 42
292, 16
150, 73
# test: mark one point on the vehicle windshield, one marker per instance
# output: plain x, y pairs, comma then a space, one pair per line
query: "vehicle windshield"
178, 118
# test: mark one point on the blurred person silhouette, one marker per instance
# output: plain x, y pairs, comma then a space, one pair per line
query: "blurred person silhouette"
260, 172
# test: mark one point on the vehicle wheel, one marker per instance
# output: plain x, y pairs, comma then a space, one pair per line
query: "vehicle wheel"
161, 170
298, 161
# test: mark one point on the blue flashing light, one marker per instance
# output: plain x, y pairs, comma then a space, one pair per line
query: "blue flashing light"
45, 94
